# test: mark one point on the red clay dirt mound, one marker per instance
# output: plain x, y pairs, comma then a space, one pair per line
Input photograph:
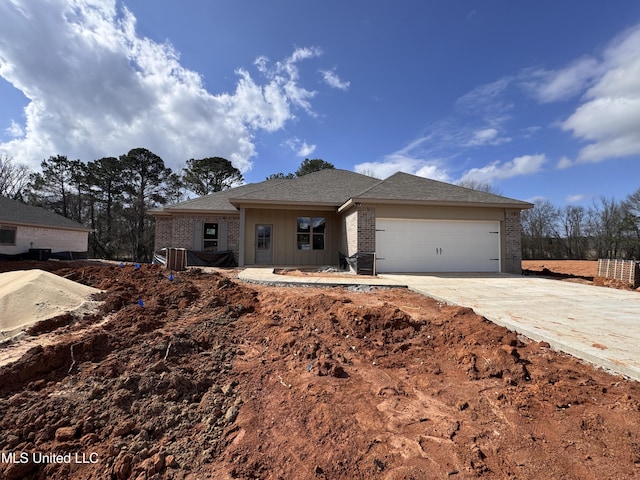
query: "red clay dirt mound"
215, 379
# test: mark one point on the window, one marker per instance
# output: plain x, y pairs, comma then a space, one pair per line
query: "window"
310, 233
210, 236
7, 235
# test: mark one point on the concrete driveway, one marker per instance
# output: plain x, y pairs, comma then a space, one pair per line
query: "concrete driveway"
597, 324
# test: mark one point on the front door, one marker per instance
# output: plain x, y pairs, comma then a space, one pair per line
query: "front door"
263, 245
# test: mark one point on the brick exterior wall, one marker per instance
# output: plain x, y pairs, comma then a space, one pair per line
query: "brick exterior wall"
163, 229
366, 229
359, 231
513, 242
233, 236
177, 232
625, 270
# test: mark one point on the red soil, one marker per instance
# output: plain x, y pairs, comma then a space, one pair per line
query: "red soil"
212, 378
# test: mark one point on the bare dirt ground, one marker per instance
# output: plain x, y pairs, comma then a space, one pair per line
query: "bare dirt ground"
212, 378
582, 268
582, 271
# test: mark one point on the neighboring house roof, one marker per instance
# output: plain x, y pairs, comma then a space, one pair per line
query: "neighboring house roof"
342, 188
17, 213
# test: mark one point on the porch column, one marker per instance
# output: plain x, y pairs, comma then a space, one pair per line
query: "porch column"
241, 239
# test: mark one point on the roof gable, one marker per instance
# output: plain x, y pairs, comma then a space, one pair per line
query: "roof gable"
18, 213
402, 186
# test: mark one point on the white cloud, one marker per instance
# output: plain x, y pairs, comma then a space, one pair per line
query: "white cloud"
284, 76
612, 123
301, 148
96, 88
484, 136
524, 165
491, 105
551, 86
564, 162
387, 168
487, 101
331, 78
529, 132
433, 172
390, 166
579, 197
609, 116
537, 199
15, 130
413, 158
487, 136
405, 160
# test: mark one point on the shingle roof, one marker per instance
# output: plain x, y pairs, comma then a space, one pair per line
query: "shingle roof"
325, 187
18, 213
219, 201
405, 187
335, 187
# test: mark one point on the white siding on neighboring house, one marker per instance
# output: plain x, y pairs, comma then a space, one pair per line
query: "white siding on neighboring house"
58, 240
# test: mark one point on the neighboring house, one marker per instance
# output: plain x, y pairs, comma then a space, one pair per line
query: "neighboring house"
25, 227
410, 223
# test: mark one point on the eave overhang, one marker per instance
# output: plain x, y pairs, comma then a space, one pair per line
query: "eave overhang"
386, 201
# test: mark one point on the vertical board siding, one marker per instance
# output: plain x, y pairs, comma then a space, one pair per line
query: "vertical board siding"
285, 251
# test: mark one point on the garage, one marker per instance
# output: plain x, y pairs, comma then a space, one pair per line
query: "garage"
409, 245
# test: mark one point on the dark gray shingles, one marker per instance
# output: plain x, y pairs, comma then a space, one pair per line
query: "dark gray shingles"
14, 212
404, 187
335, 187
219, 201
329, 186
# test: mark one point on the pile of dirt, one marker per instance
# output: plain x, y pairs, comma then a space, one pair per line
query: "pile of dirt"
29, 296
211, 378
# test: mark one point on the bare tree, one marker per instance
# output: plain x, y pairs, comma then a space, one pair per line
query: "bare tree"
572, 219
539, 230
486, 187
632, 204
605, 223
369, 172
14, 178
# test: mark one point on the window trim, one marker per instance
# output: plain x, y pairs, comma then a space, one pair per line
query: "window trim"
9, 228
213, 240
307, 237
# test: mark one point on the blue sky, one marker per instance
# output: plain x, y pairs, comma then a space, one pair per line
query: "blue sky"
542, 99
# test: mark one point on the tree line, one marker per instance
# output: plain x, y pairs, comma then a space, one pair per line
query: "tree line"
606, 229
112, 195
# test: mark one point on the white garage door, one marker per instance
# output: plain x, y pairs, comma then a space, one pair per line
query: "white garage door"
437, 246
